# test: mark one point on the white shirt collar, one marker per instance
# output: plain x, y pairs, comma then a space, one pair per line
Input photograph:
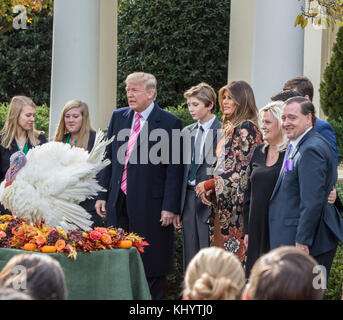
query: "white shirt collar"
207, 125
145, 114
297, 140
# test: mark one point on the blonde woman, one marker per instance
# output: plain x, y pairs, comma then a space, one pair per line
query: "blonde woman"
214, 274
18, 133
75, 128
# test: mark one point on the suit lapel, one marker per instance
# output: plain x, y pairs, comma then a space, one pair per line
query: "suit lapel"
294, 153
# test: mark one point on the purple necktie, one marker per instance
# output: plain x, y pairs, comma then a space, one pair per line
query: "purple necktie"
288, 162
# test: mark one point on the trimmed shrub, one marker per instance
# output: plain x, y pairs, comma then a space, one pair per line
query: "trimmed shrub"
334, 290
181, 42
337, 126
25, 62
331, 87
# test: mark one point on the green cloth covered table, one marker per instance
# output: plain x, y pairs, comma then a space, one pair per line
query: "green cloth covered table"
116, 274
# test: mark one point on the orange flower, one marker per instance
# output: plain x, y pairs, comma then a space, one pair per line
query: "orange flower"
40, 240
106, 239
60, 245
2, 234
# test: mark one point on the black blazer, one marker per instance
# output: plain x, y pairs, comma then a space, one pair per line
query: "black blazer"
5, 155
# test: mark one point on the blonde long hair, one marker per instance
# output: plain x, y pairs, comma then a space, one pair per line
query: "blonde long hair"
11, 126
61, 130
246, 110
214, 274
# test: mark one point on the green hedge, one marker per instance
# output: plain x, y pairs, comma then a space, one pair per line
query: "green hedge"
181, 42
338, 128
25, 62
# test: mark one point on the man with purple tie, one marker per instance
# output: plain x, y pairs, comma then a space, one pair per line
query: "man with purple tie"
299, 213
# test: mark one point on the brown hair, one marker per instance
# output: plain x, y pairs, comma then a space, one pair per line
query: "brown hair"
306, 107
10, 128
61, 130
214, 274
301, 84
43, 276
246, 110
284, 95
204, 92
285, 273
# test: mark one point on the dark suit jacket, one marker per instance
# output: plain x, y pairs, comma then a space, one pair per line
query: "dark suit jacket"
151, 187
201, 173
326, 130
298, 209
5, 155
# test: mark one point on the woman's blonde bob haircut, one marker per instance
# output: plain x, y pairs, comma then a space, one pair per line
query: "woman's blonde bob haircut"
11, 126
61, 130
275, 108
246, 110
214, 274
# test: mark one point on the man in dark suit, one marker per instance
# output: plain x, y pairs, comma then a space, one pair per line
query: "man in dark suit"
304, 87
199, 157
299, 213
143, 185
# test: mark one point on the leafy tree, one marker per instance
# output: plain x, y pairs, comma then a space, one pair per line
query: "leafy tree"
181, 42
321, 13
25, 62
33, 10
331, 87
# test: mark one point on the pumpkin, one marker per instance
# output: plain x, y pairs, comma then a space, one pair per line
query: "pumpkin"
48, 249
125, 244
30, 246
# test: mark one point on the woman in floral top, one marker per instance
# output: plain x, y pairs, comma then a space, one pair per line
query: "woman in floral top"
225, 191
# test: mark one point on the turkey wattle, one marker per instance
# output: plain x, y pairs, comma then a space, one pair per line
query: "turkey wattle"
50, 182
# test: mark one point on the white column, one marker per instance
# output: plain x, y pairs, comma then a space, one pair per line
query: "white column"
265, 48
84, 58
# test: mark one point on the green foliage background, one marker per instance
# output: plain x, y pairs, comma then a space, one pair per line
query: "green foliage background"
25, 62
331, 87
181, 42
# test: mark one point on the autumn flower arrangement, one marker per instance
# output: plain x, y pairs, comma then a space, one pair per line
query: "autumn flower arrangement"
17, 233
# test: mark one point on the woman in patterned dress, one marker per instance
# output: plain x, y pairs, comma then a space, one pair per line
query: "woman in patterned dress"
225, 191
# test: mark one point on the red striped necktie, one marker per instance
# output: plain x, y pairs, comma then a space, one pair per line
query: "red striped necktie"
132, 140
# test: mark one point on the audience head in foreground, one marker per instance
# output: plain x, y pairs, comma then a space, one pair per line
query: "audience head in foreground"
37, 275
285, 273
213, 274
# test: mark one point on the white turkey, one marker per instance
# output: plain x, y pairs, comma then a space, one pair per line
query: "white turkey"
50, 182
